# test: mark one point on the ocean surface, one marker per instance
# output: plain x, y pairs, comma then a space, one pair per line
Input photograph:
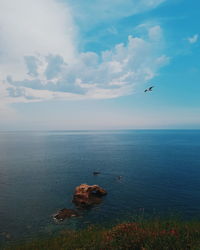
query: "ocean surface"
39, 171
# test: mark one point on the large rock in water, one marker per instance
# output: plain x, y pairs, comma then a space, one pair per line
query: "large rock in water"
86, 195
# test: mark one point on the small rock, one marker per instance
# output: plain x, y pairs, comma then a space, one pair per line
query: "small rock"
96, 173
65, 213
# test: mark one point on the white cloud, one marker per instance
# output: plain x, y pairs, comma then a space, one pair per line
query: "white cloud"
104, 10
40, 60
155, 33
28, 27
193, 39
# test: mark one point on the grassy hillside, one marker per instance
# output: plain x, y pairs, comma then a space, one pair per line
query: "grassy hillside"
144, 235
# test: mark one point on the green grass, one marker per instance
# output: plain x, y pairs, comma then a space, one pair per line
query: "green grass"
143, 235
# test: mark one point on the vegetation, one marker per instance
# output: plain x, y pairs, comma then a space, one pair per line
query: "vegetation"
146, 235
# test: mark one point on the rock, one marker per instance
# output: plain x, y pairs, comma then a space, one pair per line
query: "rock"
65, 213
96, 173
86, 195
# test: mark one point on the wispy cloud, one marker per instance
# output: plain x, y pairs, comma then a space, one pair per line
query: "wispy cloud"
40, 59
193, 39
105, 11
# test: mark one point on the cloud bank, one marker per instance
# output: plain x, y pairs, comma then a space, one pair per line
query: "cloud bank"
40, 59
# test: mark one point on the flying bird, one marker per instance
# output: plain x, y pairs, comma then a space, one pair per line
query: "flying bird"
149, 89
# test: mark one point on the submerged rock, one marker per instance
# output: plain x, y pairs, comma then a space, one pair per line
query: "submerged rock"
86, 195
64, 214
96, 173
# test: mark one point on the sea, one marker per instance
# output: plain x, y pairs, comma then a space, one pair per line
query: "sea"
159, 177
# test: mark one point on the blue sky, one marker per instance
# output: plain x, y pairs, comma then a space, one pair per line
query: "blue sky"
84, 65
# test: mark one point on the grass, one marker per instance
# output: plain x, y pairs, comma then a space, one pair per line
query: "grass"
143, 235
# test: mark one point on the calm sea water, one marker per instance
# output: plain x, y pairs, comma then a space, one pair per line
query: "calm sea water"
39, 171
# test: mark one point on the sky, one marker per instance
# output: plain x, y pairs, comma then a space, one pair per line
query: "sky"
83, 64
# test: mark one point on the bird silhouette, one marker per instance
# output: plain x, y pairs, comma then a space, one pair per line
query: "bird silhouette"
149, 89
